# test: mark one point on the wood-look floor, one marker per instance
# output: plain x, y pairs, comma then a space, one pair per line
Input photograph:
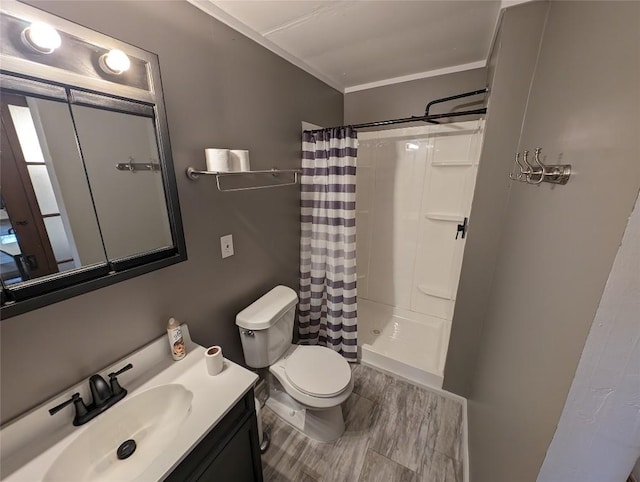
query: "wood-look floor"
395, 431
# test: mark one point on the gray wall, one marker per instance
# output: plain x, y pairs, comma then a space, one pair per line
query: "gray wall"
410, 98
558, 243
511, 66
221, 90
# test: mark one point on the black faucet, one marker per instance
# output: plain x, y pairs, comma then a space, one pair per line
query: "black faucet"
104, 396
100, 391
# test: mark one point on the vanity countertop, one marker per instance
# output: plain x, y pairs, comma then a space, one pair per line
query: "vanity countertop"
31, 444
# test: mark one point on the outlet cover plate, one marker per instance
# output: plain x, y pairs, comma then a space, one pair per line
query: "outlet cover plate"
226, 245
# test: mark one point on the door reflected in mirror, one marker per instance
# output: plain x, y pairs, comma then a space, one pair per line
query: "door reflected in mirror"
48, 221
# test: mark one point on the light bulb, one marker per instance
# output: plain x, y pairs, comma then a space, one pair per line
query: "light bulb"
41, 37
115, 62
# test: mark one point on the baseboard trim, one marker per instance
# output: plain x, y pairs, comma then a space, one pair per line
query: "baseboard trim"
465, 440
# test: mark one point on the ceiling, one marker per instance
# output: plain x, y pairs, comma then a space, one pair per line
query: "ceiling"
352, 45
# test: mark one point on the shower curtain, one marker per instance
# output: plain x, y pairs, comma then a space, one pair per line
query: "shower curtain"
327, 313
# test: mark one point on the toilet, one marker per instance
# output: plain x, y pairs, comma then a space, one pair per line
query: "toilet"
307, 384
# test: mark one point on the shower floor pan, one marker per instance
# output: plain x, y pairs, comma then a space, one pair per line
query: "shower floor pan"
409, 345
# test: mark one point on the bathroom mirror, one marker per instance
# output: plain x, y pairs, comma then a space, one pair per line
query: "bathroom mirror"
88, 192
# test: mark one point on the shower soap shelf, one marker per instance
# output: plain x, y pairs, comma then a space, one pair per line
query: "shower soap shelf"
194, 174
458, 218
431, 291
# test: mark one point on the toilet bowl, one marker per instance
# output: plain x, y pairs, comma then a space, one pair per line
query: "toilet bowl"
311, 383
307, 384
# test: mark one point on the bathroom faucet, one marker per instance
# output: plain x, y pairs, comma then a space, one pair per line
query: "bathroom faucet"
100, 391
104, 396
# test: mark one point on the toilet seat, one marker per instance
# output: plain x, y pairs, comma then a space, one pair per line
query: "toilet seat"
317, 371
279, 371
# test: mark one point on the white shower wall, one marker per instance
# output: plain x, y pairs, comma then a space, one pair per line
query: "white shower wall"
414, 186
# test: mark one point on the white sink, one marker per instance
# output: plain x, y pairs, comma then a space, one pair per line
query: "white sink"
151, 418
170, 408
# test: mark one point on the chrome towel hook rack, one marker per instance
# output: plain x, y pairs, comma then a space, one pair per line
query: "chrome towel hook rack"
538, 172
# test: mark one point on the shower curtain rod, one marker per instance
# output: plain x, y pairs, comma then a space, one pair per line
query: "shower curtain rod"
426, 117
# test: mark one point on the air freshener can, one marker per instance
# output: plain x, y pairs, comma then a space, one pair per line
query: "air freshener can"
176, 342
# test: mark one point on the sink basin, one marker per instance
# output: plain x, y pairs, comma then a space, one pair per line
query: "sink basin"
152, 419
170, 408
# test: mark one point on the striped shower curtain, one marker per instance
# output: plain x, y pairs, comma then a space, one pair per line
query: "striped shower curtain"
328, 308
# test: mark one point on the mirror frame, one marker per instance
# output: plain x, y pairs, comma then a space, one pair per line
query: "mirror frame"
27, 75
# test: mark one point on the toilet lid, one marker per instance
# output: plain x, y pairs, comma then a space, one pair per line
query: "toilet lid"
318, 371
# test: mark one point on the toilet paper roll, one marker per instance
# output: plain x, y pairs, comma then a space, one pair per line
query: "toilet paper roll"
218, 160
214, 360
240, 159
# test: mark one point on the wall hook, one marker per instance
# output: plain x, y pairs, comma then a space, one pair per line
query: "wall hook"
514, 175
528, 167
538, 172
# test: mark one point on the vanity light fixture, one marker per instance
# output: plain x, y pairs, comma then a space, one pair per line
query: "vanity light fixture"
115, 62
41, 37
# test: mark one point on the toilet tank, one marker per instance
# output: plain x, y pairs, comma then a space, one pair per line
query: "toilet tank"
266, 326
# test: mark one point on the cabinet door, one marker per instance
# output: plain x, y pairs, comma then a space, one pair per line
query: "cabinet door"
229, 453
237, 462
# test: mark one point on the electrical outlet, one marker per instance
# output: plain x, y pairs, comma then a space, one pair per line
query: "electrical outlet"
226, 245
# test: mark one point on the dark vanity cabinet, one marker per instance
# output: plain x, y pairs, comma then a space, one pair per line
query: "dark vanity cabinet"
229, 453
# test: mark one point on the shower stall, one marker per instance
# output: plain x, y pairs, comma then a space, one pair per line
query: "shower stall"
413, 197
